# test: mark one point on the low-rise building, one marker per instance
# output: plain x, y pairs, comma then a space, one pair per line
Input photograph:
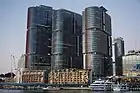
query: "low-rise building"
69, 76
131, 63
34, 76
10, 79
132, 73
19, 74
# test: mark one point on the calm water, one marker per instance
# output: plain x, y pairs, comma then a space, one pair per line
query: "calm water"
61, 91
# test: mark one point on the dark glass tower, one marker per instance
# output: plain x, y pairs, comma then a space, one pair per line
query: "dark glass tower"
97, 41
38, 40
119, 52
66, 40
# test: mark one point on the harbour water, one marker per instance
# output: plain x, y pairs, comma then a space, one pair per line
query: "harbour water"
62, 91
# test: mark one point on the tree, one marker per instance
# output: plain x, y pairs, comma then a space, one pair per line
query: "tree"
9, 74
2, 75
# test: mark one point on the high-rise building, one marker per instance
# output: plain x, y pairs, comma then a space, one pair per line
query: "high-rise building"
66, 39
21, 62
38, 40
97, 41
119, 52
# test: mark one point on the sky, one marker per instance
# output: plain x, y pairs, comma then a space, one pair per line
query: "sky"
125, 15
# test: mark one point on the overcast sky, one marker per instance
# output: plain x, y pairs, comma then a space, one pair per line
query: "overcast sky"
125, 16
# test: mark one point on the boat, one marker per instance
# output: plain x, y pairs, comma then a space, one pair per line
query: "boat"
101, 85
121, 87
49, 88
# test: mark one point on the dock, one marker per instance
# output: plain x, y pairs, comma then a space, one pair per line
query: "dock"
76, 88
134, 86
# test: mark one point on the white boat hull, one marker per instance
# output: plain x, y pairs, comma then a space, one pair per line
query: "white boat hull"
101, 85
121, 87
118, 89
101, 88
51, 89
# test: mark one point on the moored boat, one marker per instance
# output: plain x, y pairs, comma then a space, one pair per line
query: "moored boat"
101, 85
51, 88
121, 87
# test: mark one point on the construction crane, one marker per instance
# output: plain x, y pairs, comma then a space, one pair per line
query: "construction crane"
16, 69
13, 63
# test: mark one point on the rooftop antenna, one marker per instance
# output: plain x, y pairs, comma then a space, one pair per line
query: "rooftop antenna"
135, 47
11, 65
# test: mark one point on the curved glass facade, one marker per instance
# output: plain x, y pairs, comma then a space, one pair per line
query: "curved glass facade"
66, 40
119, 52
96, 41
57, 41
38, 38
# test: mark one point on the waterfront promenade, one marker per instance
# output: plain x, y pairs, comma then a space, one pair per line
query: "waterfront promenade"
62, 91
35, 86
39, 86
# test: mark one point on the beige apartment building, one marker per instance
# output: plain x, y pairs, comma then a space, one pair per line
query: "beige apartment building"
33, 76
69, 76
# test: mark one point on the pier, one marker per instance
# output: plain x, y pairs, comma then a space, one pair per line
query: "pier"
134, 86
34, 86
24, 86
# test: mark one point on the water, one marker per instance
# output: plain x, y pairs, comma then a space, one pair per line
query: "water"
62, 91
